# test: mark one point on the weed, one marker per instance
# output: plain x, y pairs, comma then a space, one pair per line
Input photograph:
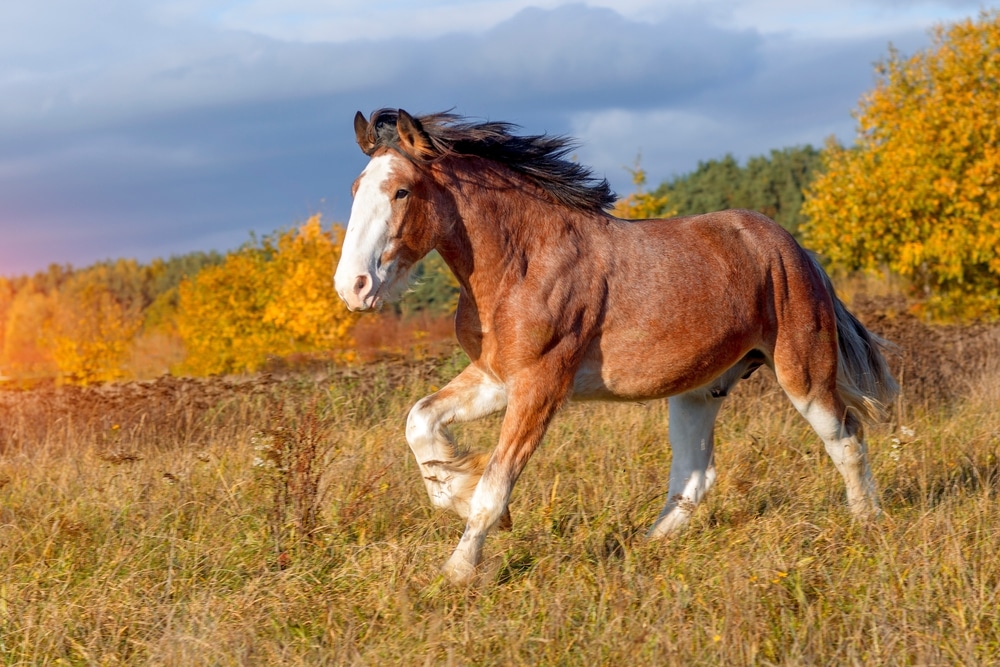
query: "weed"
291, 455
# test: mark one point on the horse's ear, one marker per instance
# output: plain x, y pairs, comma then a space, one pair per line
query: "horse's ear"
361, 131
412, 138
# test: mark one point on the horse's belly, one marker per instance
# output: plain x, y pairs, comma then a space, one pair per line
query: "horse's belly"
653, 371
603, 382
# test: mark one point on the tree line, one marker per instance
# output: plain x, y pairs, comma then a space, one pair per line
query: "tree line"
193, 314
773, 184
82, 324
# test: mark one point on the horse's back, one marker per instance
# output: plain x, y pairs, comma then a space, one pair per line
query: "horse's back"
732, 232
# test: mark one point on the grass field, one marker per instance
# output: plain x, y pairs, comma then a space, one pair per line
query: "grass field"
281, 520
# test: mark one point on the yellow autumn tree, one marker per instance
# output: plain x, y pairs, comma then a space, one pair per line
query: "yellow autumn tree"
91, 332
97, 312
642, 204
919, 191
266, 300
28, 320
7, 293
304, 304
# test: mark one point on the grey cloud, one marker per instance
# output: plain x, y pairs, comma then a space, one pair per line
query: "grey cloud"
800, 92
570, 55
576, 57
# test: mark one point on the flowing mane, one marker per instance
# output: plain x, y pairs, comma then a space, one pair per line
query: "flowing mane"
542, 158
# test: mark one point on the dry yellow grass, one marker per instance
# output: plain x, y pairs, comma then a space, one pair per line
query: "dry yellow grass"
168, 523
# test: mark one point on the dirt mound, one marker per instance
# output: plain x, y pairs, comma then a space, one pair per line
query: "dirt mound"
935, 364
168, 409
184, 411
139, 397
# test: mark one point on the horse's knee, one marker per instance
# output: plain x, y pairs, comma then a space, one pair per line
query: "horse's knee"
421, 424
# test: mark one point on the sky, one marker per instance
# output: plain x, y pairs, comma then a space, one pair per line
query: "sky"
138, 129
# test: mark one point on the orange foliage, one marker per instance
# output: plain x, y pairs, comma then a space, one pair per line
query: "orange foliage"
267, 300
28, 318
91, 335
920, 190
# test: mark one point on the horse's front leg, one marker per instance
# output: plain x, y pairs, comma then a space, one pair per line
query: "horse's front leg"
533, 400
450, 478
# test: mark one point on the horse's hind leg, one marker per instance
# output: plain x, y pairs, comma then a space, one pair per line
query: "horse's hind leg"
450, 478
692, 469
843, 436
807, 371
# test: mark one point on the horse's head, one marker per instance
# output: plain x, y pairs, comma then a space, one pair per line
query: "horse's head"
390, 227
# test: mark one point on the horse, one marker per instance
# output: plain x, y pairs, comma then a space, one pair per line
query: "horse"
561, 300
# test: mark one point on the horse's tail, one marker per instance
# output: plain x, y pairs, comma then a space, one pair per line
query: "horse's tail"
863, 376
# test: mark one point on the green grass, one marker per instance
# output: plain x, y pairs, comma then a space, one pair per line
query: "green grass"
136, 528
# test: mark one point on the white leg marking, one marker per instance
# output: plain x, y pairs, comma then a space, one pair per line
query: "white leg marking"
692, 470
449, 479
486, 507
849, 453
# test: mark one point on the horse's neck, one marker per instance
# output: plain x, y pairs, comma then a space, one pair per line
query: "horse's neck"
476, 251
501, 220
485, 239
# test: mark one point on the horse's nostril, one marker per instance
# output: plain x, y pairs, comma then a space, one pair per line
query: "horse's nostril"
360, 284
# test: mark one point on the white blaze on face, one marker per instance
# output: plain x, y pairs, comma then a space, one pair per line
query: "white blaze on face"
360, 275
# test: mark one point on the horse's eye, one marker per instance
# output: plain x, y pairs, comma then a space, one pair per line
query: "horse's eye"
402, 193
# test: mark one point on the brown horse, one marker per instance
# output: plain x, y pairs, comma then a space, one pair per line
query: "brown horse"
561, 300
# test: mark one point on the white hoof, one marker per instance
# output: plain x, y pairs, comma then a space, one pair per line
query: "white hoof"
459, 571
671, 522
865, 510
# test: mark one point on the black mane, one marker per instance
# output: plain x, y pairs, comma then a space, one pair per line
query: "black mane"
542, 158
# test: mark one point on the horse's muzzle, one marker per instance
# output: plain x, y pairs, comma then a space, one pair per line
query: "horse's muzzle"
362, 294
